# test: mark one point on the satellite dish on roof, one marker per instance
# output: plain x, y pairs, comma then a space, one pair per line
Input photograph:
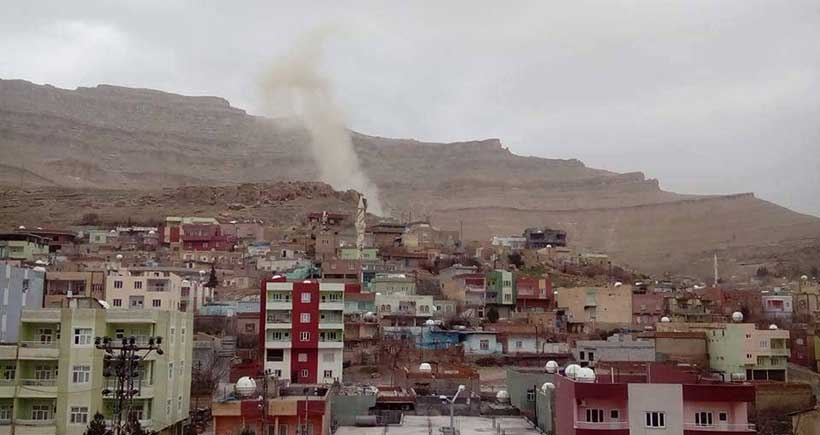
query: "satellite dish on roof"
430, 322
103, 304
585, 374
547, 387
618, 284
119, 256
772, 326
21, 227
503, 396
804, 277
245, 386
39, 269
571, 371
737, 316
665, 319
551, 367
425, 368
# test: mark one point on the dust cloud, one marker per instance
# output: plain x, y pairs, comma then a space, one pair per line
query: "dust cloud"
294, 85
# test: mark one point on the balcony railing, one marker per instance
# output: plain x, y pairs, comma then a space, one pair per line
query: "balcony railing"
5, 421
29, 422
742, 427
39, 382
39, 344
609, 425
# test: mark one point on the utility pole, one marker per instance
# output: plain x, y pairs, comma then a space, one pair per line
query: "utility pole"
122, 363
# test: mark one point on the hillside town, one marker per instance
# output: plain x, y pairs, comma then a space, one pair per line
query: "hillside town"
349, 323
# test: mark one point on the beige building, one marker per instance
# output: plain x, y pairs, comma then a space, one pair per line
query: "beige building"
591, 308
145, 289
60, 285
53, 378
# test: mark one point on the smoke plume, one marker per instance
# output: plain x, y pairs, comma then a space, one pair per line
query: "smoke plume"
295, 83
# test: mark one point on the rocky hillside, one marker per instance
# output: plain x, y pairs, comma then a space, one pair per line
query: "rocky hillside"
120, 138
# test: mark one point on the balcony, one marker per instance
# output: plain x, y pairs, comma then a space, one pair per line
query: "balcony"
37, 388
8, 388
43, 315
278, 305
8, 352
609, 425
34, 427
332, 305
780, 351
38, 350
692, 428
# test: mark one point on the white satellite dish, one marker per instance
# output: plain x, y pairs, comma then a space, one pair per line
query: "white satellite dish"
551, 367
571, 371
737, 317
425, 368
245, 386
772, 326
502, 396
665, 319
585, 374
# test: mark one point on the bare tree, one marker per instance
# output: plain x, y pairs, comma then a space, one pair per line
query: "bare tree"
207, 373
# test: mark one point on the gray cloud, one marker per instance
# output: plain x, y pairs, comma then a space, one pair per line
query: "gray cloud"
709, 97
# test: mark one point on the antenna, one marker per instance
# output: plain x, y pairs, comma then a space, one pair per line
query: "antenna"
716, 271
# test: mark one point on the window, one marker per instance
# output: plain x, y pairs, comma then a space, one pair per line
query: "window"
305, 298
304, 429
181, 367
182, 334
592, 356
137, 285
519, 344
582, 355
703, 418
655, 419
5, 412
304, 336
328, 357
484, 344
117, 284
117, 302
305, 373
79, 415
26, 284
168, 407
83, 336
41, 412
305, 317
283, 429
723, 416
81, 374
156, 303
530, 395
250, 327
328, 374
119, 333
172, 334
595, 415
179, 403
274, 355
614, 414
170, 370
303, 357
9, 372
46, 335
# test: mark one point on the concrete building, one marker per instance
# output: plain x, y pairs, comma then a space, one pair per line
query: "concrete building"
760, 354
777, 306
22, 246
648, 308
60, 285
685, 347
533, 294
304, 330
591, 308
156, 290
538, 238
513, 243
523, 383
500, 289
404, 310
393, 283
661, 401
481, 343
618, 347
293, 410
20, 289
54, 377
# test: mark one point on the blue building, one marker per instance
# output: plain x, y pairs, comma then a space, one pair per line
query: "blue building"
20, 289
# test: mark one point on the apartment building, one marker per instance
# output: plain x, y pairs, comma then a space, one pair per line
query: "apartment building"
404, 310
654, 400
500, 291
591, 308
393, 283
22, 246
60, 285
160, 290
303, 333
294, 410
20, 289
53, 378
533, 294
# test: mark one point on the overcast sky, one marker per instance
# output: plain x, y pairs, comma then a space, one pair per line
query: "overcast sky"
707, 96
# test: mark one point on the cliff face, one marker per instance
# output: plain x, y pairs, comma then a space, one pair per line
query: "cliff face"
120, 138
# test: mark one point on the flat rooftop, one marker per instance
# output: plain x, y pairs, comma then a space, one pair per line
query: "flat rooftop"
418, 424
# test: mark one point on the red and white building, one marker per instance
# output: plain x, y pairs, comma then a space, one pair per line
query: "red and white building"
303, 333
533, 294
657, 399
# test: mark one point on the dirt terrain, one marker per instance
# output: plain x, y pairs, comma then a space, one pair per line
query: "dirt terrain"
123, 140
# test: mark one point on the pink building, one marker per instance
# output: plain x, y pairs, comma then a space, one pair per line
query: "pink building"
659, 400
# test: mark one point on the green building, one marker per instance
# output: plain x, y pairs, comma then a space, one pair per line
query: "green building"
52, 380
740, 349
500, 288
22, 246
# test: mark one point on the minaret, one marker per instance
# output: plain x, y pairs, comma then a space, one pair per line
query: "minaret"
361, 212
717, 277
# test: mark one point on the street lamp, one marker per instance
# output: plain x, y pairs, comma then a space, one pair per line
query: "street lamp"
452, 401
